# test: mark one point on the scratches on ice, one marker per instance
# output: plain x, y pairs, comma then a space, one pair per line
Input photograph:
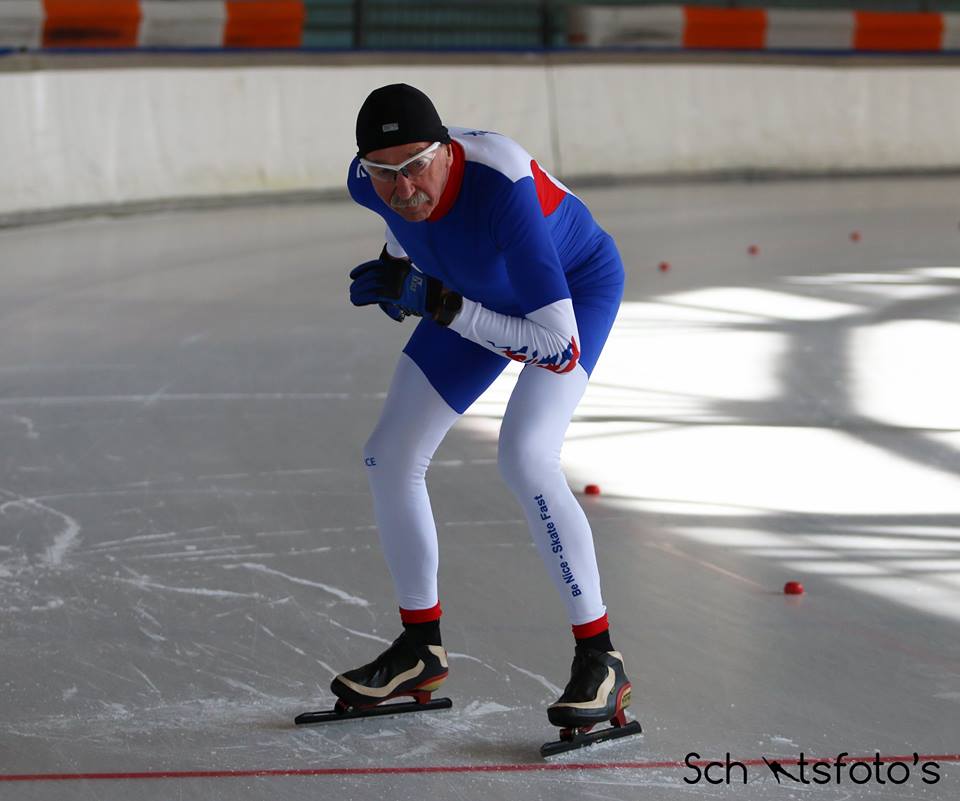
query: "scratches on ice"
222, 557
139, 611
151, 635
160, 395
156, 490
128, 540
309, 471
327, 667
289, 645
27, 423
240, 685
335, 591
146, 678
477, 709
455, 655
538, 678
63, 541
214, 722
189, 554
509, 522
99, 669
356, 633
49, 606
73, 367
142, 613
145, 584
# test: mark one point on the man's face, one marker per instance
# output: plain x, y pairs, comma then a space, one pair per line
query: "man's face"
416, 197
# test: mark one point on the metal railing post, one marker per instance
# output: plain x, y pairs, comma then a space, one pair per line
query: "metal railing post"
359, 32
546, 38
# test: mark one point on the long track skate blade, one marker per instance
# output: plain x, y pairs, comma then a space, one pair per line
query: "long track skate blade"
332, 715
590, 738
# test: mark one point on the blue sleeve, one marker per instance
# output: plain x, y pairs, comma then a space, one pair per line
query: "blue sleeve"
358, 185
521, 233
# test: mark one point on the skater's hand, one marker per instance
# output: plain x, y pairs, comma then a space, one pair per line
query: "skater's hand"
385, 262
393, 311
397, 283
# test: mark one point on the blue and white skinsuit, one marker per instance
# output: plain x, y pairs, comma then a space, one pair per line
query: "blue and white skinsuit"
541, 284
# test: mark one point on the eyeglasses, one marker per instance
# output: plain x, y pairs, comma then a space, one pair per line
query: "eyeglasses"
411, 168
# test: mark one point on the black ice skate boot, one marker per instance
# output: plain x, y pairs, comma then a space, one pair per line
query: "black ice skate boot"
598, 691
407, 667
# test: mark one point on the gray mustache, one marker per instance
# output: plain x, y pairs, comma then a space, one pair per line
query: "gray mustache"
415, 200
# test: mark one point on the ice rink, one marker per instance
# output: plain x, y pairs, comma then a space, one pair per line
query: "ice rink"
187, 549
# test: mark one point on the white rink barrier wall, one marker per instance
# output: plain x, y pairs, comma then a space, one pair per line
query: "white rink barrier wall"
81, 138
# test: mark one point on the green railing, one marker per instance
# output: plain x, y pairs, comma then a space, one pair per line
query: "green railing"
377, 24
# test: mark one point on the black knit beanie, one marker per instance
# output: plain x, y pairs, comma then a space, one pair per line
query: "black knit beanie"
397, 115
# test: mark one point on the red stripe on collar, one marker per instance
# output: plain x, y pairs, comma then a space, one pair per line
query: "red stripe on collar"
452, 189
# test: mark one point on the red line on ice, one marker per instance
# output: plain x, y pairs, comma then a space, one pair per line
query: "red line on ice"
502, 768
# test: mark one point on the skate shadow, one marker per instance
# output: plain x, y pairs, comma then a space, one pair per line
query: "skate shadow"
279, 724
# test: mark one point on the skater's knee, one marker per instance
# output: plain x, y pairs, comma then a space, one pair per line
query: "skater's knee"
386, 443
525, 463
373, 447
385, 454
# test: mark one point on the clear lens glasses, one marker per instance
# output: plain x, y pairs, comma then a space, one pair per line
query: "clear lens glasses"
411, 168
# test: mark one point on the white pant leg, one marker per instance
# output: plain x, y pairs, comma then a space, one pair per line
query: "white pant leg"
531, 437
414, 421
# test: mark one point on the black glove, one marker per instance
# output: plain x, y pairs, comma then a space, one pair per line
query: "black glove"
391, 269
398, 287
400, 290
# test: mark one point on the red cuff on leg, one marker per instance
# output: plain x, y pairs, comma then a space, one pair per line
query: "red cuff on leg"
421, 615
591, 629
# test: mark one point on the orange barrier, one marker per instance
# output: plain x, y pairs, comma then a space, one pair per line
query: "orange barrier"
264, 23
91, 23
900, 31
724, 28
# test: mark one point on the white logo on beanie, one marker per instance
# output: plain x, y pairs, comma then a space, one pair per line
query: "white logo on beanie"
390, 126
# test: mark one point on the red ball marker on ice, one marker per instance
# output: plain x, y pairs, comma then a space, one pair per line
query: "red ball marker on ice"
591, 489
793, 588
855, 236
664, 266
753, 250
